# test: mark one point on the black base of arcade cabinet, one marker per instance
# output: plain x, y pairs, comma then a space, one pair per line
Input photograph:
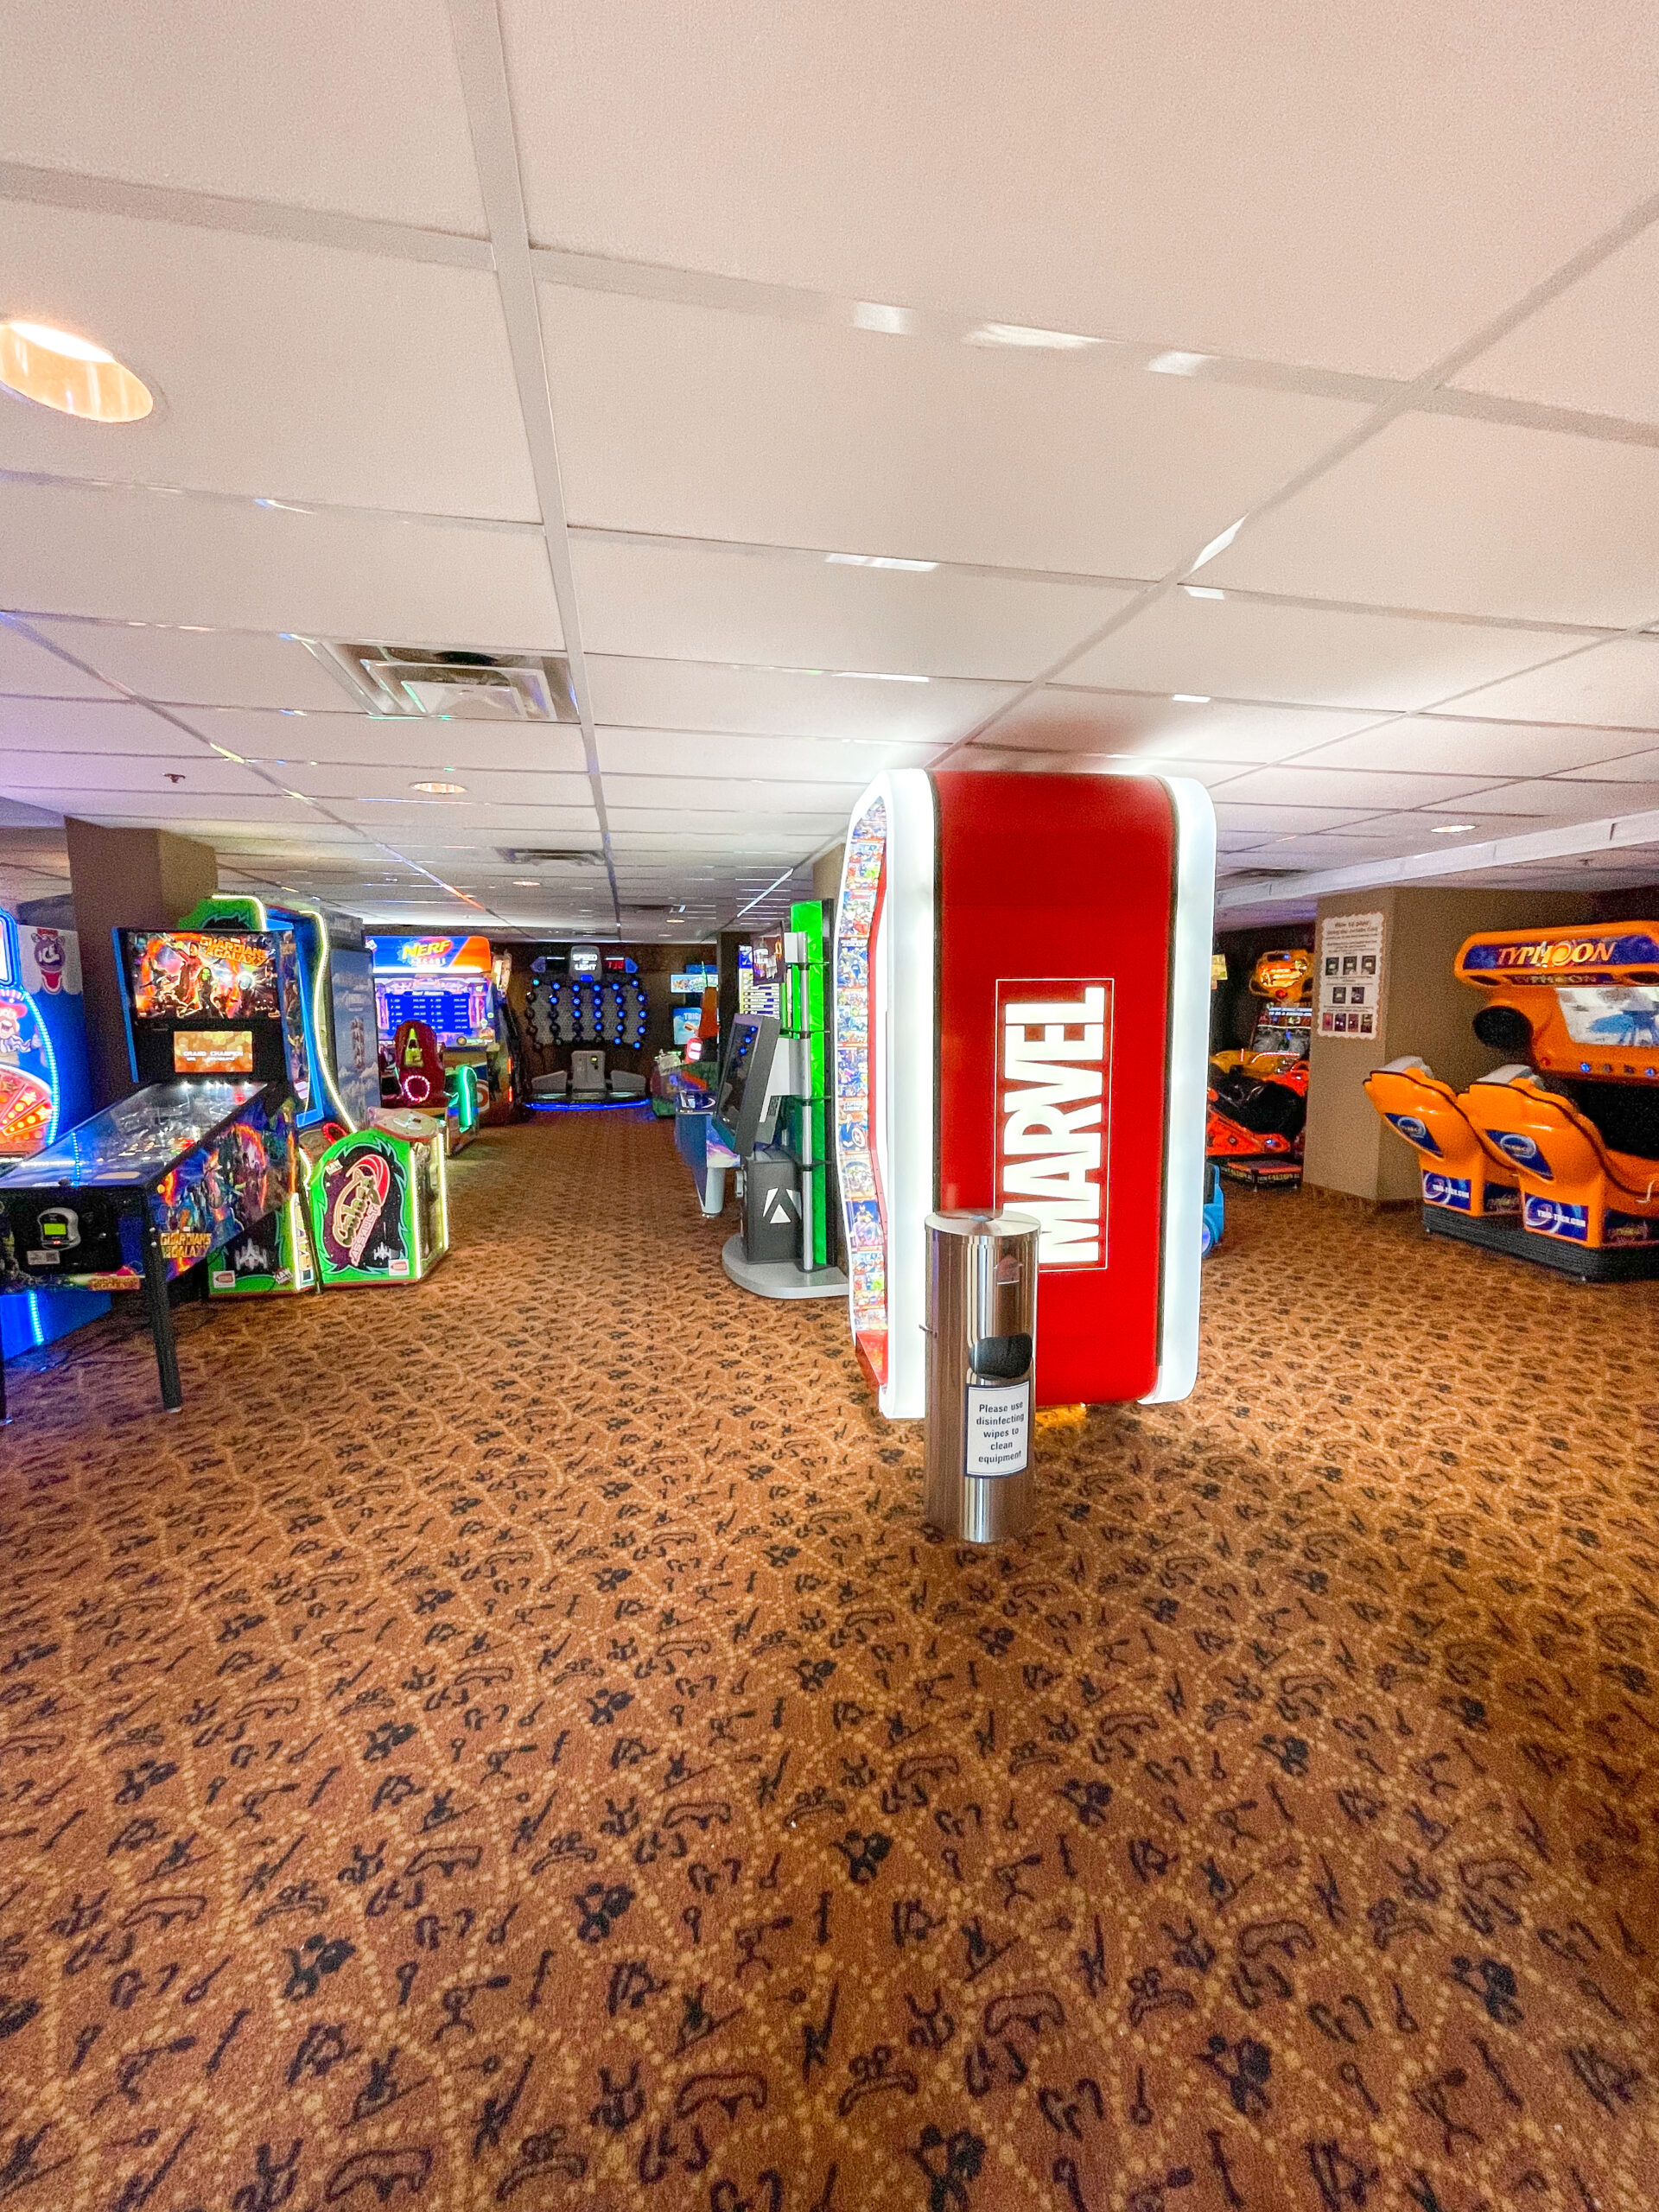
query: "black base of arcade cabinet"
1608, 1263
779, 1278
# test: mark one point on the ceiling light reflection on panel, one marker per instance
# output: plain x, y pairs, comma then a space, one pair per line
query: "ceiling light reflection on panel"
1027, 335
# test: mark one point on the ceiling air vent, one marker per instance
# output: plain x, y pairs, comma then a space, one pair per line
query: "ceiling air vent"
445, 686
552, 856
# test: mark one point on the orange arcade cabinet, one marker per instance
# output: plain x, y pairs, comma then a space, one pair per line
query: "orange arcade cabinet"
1554, 1158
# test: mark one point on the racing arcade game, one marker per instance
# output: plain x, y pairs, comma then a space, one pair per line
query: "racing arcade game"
200, 1154
1258, 1098
1554, 1157
1020, 1023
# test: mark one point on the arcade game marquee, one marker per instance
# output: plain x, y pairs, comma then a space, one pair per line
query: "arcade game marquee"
1021, 1022
199, 1155
1554, 1158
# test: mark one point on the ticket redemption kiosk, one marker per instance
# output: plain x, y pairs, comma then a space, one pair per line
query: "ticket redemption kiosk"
1021, 1023
44, 1089
1554, 1157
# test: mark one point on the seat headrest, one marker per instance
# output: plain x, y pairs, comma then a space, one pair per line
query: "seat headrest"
1407, 1063
1515, 1072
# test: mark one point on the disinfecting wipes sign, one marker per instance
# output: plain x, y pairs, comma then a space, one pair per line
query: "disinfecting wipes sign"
999, 1427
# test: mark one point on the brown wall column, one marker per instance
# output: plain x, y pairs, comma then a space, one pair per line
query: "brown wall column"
1423, 1009
126, 879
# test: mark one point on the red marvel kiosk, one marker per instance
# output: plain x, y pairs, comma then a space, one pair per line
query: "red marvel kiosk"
1021, 1021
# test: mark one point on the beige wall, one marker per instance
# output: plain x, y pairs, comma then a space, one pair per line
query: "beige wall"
1423, 1009
126, 879
826, 874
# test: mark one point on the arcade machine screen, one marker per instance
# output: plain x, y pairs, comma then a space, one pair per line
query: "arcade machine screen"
744, 1079
447, 982
202, 1003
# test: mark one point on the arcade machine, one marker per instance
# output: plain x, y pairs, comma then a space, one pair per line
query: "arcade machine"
201, 1154
1554, 1158
379, 1208
44, 1089
1258, 1098
450, 984
587, 998
1020, 1020
341, 1089
782, 1249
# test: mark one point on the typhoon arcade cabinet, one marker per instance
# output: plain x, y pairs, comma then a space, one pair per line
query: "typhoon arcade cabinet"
1021, 1004
202, 1154
1258, 1098
1554, 1158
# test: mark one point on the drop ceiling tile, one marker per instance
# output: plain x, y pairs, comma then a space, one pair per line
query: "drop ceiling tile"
333, 779
1060, 717
1634, 768
225, 668
687, 422
1260, 649
1468, 518
390, 742
141, 555
303, 102
395, 821
673, 600
108, 725
757, 828
28, 668
1616, 683
832, 760
1297, 785
1282, 821
1431, 829
1569, 799
55, 778
670, 694
1451, 745
352, 378
1016, 759
750, 797
1072, 167
1591, 347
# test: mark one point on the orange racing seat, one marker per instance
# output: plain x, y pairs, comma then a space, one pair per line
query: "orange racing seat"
1458, 1171
1573, 1185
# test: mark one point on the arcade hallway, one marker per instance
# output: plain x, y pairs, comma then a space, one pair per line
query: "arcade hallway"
510, 1743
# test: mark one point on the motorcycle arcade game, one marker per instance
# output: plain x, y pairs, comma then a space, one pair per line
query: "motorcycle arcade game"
1554, 1157
1258, 1098
1020, 1023
201, 1154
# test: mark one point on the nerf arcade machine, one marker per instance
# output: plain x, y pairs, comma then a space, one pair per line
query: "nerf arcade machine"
1021, 1022
200, 1154
1554, 1157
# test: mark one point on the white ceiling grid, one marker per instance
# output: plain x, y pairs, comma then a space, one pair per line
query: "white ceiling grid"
660, 339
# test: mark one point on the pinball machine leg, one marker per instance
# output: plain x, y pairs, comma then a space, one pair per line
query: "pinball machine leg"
161, 1320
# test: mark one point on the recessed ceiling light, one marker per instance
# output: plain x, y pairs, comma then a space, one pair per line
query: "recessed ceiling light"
1021, 333
876, 676
525, 883
1203, 591
1220, 544
1452, 829
1190, 698
56, 369
440, 791
876, 561
1177, 365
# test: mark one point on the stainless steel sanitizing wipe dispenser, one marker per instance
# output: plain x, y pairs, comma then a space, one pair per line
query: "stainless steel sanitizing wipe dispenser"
982, 1344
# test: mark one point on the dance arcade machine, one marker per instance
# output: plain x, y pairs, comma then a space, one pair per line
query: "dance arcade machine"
1258, 1097
44, 1089
1020, 1023
201, 1154
1554, 1158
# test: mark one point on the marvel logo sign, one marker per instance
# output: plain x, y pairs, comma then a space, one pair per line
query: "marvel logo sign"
1053, 1109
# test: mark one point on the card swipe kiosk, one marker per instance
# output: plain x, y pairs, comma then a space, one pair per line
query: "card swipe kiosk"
755, 1079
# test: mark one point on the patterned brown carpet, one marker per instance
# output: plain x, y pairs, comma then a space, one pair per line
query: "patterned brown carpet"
509, 1742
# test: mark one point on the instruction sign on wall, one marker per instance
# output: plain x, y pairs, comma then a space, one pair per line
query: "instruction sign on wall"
1350, 974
